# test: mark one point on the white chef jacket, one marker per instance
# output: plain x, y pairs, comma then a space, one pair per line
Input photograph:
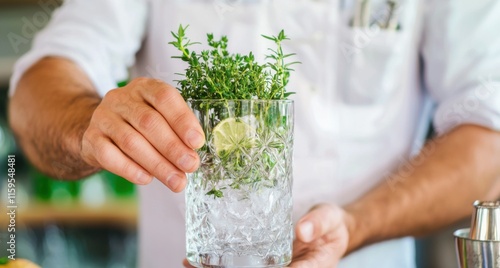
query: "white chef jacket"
362, 102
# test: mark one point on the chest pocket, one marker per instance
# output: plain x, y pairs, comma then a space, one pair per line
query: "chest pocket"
372, 58
375, 69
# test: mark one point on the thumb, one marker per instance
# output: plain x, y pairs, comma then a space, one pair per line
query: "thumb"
319, 221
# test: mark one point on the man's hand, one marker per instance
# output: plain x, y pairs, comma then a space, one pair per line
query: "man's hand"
321, 238
144, 130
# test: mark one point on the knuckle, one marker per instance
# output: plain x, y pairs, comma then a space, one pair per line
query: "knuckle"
128, 141
175, 153
147, 120
181, 118
107, 125
173, 148
129, 170
101, 122
101, 155
159, 168
164, 97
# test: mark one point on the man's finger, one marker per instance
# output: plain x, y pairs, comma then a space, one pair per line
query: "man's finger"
114, 160
321, 220
151, 124
137, 148
167, 100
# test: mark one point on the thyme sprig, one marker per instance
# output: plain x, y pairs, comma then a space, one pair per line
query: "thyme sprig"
218, 74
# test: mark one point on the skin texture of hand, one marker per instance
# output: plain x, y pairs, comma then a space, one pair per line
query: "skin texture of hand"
321, 238
139, 131
142, 130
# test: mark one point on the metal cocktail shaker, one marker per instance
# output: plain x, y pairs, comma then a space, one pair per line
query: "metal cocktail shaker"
479, 246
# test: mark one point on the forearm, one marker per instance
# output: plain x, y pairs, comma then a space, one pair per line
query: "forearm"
49, 112
436, 190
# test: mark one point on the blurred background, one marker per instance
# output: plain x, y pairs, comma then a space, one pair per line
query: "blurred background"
86, 223
91, 222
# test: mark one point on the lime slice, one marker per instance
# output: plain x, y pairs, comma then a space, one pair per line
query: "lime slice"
231, 134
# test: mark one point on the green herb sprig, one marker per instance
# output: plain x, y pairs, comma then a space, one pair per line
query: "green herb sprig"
218, 74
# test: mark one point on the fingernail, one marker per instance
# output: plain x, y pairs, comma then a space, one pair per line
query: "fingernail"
143, 178
306, 230
195, 139
187, 162
173, 181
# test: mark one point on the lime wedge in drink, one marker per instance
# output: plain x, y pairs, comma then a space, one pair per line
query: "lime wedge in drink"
232, 134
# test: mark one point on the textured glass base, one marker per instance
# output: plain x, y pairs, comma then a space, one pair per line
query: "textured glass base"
239, 201
234, 261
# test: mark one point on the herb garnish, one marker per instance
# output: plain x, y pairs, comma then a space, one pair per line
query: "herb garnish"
217, 74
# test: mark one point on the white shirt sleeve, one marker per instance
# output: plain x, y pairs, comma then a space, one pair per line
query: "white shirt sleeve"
101, 36
461, 51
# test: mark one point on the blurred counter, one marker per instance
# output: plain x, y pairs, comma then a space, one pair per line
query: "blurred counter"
122, 214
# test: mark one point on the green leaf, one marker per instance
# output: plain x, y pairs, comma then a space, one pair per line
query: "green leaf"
181, 30
272, 38
216, 193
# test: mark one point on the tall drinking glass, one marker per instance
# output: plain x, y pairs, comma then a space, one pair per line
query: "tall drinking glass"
239, 202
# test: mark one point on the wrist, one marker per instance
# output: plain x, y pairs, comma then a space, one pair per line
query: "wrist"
74, 164
357, 228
